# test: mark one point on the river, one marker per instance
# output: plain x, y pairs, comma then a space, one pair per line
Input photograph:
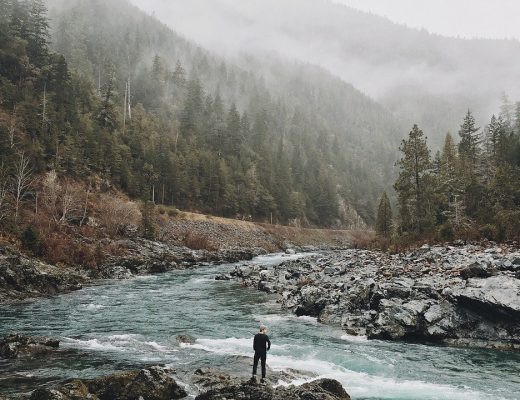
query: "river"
126, 324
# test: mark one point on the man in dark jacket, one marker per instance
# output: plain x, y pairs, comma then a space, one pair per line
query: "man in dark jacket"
261, 345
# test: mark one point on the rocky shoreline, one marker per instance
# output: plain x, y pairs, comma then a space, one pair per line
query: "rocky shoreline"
158, 382
464, 295
23, 277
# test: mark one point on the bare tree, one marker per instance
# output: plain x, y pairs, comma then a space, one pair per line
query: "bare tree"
85, 205
4, 193
118, 215
12, 129
22, 182
63, 201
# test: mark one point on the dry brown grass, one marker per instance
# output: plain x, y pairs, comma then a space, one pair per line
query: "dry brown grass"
316, 237
198, 241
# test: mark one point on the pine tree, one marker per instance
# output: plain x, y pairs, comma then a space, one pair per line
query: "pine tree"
179, 77
414, 184
107, 117
495, 135
384, 217
190, 118
449, 164
38, 32
469, 145
234, 132
157, 68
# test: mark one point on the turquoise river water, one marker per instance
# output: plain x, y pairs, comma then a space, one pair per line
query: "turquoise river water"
126, 324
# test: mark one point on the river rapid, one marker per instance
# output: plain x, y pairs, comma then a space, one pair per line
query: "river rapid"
127, 324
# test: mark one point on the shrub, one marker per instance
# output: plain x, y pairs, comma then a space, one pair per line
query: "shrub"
508, 225
116, 214
197, 241
148, 221
173, 212
31, 240
489, 232
446, 232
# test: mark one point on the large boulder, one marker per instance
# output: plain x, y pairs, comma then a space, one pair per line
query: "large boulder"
494, 298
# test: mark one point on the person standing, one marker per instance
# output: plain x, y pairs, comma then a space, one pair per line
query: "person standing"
261, 345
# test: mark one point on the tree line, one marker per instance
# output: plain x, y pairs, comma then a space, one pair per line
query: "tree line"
470, 189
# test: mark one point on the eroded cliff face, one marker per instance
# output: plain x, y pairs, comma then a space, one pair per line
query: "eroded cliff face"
461, 295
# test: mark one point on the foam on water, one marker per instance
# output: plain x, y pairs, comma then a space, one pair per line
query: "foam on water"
354, 339
91, 344
358, 384
280, 318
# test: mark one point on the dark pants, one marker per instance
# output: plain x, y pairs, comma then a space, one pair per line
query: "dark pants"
259, 356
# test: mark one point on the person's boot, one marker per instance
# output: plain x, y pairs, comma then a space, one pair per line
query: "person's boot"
262, 380
253, 379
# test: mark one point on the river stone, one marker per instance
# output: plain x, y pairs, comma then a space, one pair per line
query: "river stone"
477, 270
187, 339
15, 346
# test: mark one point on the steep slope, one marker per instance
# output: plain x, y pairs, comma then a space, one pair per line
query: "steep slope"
423, 78
322, 134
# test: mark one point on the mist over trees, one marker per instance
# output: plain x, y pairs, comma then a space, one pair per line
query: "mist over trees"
422, 78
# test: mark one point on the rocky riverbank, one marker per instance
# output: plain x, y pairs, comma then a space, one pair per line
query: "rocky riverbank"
457, 295
162, 383
23, 277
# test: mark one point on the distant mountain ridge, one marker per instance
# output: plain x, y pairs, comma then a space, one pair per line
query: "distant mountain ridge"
424, 78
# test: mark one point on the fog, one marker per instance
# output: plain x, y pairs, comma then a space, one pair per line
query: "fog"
413, 72
462, 18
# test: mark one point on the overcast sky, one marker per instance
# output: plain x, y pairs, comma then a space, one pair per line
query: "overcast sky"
464, 18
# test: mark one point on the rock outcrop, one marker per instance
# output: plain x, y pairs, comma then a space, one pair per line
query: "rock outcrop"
17, 346
153, 383
321, 389
463, 295
22, 277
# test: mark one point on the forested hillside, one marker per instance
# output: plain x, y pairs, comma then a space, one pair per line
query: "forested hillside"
104, 90
423, 78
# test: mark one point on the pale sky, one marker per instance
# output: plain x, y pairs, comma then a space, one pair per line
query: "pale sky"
464, 18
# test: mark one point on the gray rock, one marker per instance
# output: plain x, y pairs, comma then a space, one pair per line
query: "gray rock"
16, 346
322, 389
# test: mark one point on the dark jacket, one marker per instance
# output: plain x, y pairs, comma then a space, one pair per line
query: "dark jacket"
261, 343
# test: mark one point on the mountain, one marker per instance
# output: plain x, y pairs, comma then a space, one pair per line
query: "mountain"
117, 97
421, 77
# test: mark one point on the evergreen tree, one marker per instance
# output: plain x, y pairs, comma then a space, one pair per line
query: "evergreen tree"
495, 135
107, 117
37, 32
449, 168
384, 217
469, 149
234, 132
413, 185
